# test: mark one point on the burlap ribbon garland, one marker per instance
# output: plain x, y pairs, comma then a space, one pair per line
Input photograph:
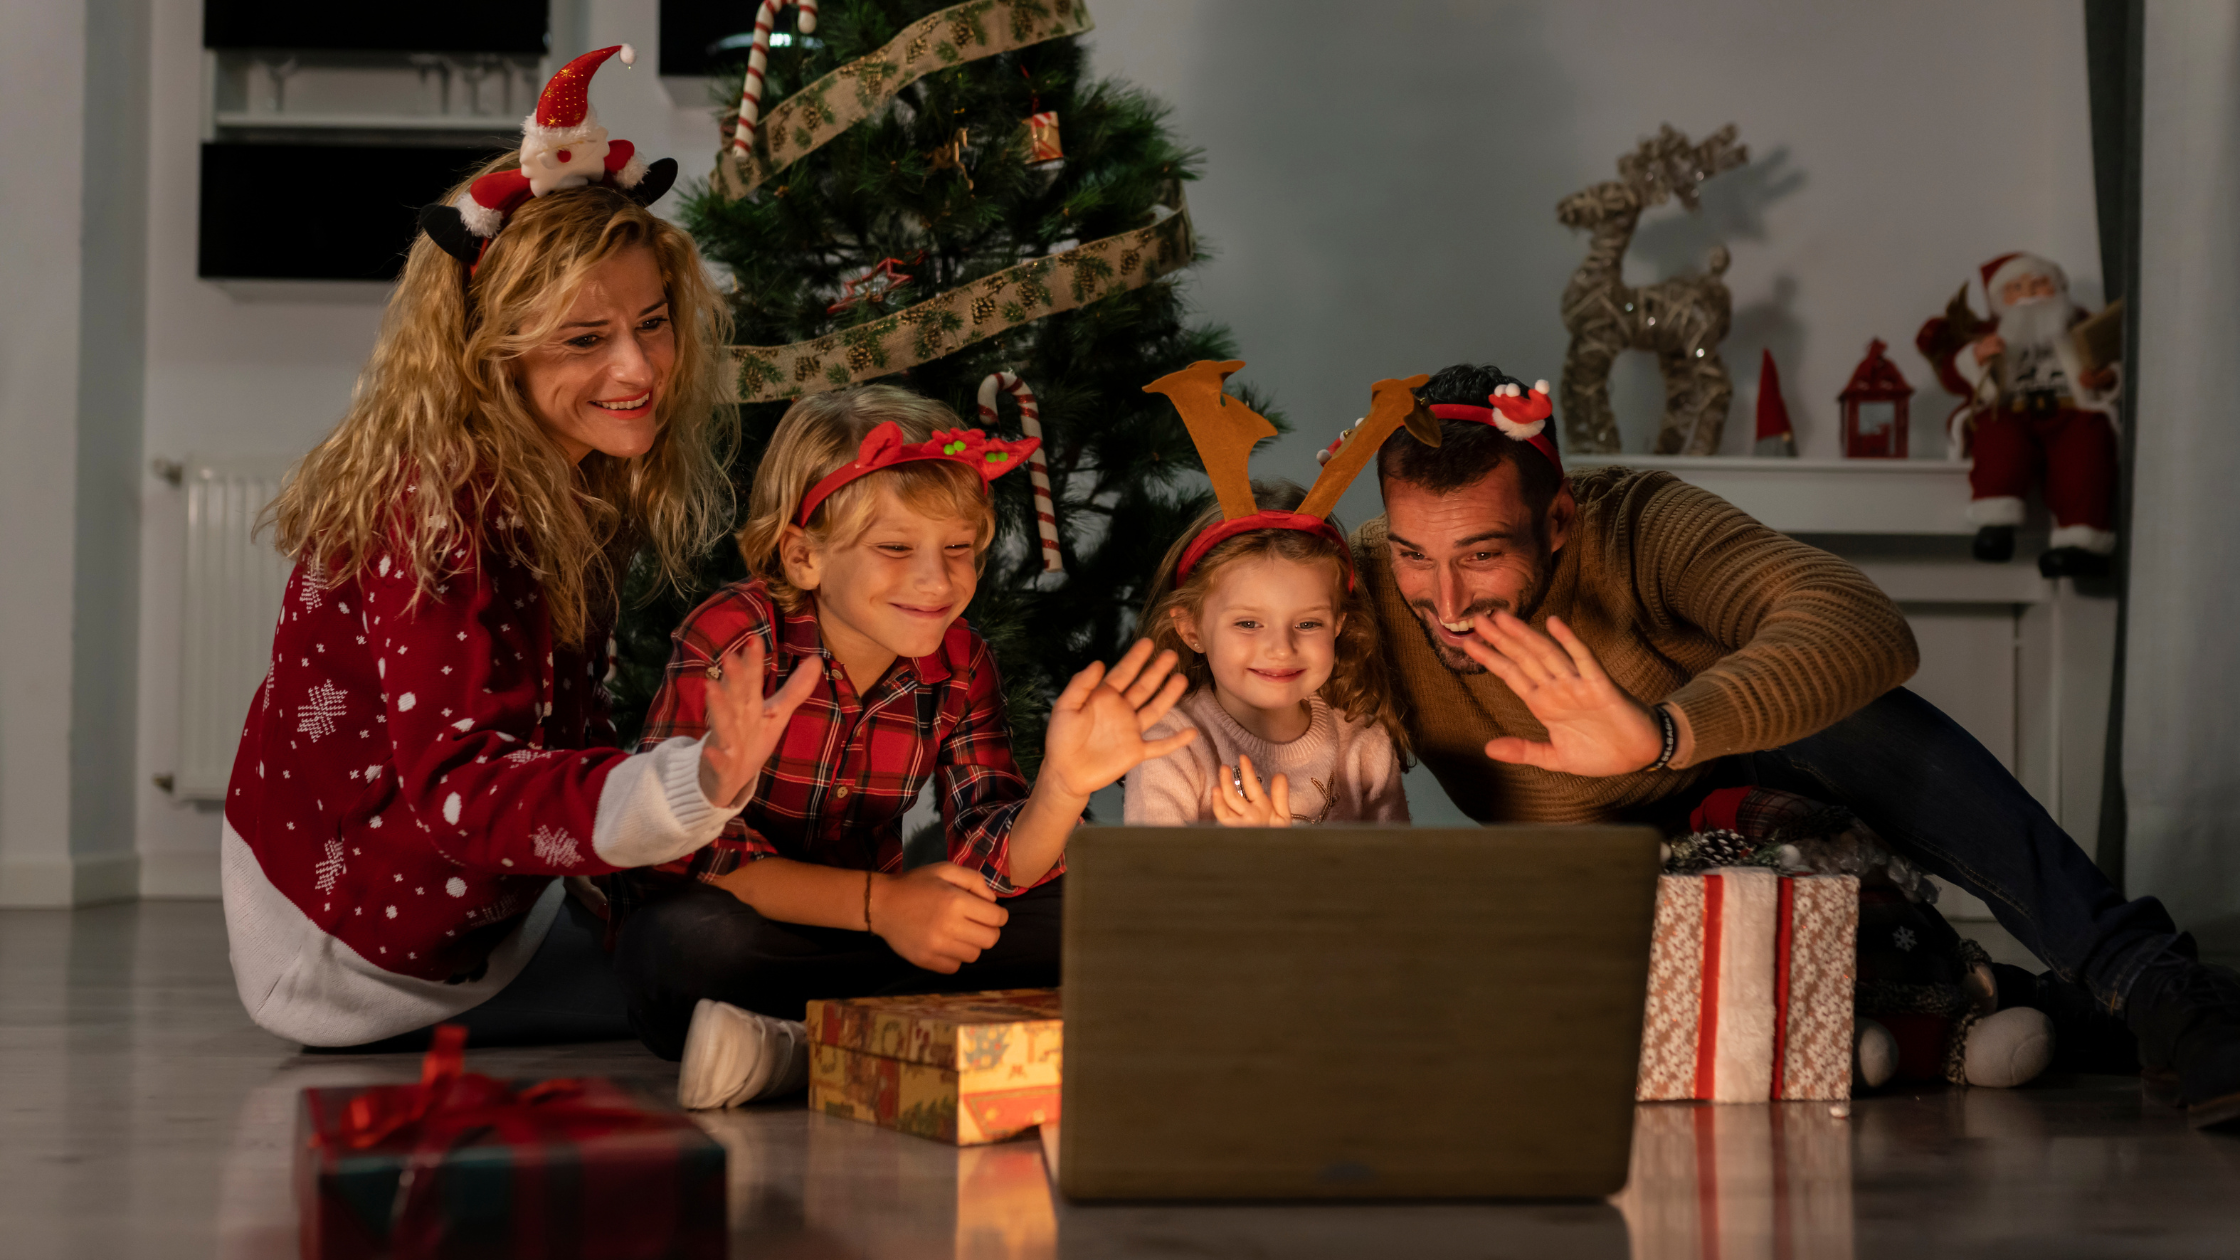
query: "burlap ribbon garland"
971, 312
811, 117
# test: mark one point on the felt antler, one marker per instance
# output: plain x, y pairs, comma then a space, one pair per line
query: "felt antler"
1393, 403
1223, 429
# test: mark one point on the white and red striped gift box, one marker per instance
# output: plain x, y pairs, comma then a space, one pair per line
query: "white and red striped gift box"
1750, 979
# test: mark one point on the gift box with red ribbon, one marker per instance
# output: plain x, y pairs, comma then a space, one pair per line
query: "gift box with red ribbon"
464, 1165
1750, 987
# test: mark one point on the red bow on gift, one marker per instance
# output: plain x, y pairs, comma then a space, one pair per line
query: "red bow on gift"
451, 1107
883, 447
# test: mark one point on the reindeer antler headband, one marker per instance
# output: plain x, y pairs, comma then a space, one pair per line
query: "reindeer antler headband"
1225, 431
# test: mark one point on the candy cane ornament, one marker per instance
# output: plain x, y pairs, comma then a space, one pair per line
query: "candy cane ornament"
1038, 468
758, 57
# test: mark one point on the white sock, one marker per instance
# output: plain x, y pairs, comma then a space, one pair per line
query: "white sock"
734, 1056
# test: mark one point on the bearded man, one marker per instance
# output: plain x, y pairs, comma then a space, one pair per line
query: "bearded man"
2032, 404
1616, 644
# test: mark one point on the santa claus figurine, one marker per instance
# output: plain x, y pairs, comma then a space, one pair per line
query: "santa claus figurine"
2031, 403
562, 146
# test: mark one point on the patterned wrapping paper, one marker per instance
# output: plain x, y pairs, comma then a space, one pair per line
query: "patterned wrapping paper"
967, 1068
1750, 982
624, 1176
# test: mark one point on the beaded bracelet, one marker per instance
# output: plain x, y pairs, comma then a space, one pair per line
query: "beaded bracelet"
867, 901
1670, 729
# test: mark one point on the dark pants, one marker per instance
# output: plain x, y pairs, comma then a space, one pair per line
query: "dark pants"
567, 993
694, 941
1936, 795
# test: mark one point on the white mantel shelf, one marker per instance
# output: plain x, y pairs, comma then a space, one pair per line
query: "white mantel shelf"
1824, 496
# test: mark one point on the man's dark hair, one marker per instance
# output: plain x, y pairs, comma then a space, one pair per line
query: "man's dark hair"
1468, 451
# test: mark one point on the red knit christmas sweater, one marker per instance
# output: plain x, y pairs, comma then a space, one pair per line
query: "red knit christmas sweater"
412, 777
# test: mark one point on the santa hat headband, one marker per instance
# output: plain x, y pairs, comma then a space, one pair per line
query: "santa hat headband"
1225, 430
884, 448
1517, 414
562, 146
2007, 268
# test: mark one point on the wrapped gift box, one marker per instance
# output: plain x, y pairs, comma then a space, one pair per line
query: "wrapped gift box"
1750, 985
461, 1165
966, 1068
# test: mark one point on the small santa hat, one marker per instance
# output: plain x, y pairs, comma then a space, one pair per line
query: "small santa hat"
564, 114
563, 117
2010, 267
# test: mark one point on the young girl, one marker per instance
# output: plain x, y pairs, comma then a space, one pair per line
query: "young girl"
1287, 687
865, 534
430, 747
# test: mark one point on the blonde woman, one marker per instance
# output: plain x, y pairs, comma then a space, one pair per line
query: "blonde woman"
430, 749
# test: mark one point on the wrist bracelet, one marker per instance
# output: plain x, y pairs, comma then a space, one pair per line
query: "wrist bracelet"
867, 901
1669, 727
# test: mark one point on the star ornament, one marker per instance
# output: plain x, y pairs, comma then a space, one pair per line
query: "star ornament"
872, 286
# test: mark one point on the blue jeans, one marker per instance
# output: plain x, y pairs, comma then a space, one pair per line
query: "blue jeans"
1936, 795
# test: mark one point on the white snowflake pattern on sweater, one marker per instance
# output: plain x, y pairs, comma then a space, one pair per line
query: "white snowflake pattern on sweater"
323, 704
555, 846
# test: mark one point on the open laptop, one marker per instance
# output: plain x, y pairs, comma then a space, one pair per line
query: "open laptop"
1353, 1012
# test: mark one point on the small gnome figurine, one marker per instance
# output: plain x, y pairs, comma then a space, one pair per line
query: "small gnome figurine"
2038, 395
562, 146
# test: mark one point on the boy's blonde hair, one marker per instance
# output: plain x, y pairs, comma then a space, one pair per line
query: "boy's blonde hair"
820, 433
1358, 687
439, 441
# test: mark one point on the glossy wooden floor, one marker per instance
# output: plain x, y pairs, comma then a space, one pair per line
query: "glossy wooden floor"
141, 1115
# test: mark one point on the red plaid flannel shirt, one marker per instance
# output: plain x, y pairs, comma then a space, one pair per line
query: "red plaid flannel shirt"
849, 766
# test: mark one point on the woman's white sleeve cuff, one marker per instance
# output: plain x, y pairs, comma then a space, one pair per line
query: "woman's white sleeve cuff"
652, 809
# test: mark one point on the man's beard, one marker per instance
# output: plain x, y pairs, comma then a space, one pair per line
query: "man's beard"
2037, 322
1527, 603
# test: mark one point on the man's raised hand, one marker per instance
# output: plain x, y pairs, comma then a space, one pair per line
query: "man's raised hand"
743, 723
1594, 727
1097, 722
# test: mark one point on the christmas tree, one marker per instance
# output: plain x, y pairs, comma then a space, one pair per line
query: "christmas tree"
899, 215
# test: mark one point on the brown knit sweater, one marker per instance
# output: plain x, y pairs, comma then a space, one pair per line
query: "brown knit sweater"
1757, 638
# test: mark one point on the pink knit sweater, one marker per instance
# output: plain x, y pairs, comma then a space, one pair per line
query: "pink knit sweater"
1339, 771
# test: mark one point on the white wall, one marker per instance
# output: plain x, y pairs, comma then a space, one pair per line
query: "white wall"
1381, 180
42, 72
1380, 190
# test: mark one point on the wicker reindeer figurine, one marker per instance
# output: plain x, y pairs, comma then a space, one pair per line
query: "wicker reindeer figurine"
1681, 320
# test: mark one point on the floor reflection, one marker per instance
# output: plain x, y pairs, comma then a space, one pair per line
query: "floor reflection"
1738, 1182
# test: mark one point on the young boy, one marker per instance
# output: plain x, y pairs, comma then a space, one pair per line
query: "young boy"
866, 527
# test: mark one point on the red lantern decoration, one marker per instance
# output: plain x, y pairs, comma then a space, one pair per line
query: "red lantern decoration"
1874, 408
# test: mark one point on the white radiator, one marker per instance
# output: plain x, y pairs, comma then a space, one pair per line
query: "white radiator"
232, 602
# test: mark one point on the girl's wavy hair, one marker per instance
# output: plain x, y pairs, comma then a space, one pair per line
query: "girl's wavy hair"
1359, 684
817, 435
441, 449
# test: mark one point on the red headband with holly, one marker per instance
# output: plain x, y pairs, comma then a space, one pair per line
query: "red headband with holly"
883, 447
1225, 430
562, 146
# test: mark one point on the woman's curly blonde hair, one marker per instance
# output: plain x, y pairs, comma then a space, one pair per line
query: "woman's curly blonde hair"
440, 443
1359, 685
